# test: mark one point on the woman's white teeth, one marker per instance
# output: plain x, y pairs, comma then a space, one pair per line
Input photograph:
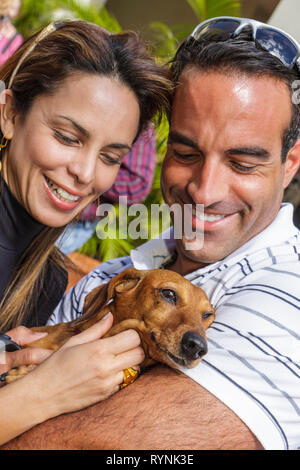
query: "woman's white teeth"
64, 195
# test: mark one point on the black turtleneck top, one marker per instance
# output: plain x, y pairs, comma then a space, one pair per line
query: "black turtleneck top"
17, 230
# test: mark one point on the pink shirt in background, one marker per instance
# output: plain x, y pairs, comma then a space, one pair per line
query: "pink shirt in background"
8, 45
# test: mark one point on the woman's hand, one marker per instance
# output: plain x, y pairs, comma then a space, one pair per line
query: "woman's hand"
23, 336
86, 370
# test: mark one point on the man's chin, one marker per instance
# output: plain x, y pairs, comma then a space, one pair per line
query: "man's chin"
192, 257
194, 245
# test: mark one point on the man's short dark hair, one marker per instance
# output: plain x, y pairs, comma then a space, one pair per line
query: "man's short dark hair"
240, 54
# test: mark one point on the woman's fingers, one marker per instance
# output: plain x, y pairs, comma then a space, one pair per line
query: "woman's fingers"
124, 352
22, 335
117, 352
86, 369
129, 358
93, 333
113, 345
124, 341
23, 357
27, 356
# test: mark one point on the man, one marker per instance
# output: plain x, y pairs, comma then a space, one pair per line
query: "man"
234, 148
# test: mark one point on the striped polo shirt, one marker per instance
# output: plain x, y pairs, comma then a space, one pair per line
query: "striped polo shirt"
253, 360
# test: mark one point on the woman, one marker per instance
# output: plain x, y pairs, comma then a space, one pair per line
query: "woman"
77, 97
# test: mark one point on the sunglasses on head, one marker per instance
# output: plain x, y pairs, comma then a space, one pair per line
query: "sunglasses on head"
273, 40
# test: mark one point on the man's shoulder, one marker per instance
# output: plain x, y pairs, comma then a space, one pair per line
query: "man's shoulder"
277, 265
106, 270
271, 271
272, 285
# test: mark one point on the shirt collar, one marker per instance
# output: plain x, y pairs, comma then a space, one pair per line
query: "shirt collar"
154, 253
279, 231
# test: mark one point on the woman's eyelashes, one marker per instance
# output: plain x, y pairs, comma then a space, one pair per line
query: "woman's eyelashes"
104, 156
108, 159
65, 139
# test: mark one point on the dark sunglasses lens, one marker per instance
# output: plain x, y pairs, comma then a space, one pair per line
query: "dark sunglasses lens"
219, 29
277, 44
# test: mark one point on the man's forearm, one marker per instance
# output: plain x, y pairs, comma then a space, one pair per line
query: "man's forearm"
161, 410
19, 410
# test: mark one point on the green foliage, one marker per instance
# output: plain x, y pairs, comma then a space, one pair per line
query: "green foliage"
108, 248
167, 39
35, 14
205, 9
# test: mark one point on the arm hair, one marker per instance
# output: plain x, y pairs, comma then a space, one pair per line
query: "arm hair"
164, 410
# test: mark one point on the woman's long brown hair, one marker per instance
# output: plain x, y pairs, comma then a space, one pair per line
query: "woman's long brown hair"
75, 46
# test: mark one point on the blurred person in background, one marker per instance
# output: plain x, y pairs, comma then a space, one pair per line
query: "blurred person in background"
10, 38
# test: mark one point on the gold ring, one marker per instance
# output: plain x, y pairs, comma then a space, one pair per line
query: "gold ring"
130, 375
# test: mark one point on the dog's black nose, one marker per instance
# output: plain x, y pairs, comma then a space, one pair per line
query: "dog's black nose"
193, 346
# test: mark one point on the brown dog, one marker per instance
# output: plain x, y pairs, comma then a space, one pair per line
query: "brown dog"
170, 314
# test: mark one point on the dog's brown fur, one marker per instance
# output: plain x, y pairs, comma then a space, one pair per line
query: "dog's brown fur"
137, 301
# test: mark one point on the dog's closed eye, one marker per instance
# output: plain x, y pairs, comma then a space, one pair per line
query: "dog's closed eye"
206, 315
169, 295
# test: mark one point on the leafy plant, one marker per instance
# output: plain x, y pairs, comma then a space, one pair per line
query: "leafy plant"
35, 14
167, 39
205, 9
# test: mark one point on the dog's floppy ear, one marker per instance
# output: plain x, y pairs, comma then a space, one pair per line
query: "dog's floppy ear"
99, 297
125, 281
93, 304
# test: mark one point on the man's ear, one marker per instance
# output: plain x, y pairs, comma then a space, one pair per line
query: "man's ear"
292, 164
7, 114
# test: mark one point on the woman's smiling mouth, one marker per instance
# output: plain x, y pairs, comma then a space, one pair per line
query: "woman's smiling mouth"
61, 198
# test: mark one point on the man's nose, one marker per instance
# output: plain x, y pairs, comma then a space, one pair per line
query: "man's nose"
210, 183
83, 167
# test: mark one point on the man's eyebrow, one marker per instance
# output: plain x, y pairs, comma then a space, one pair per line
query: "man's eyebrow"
177, 138
260, 152
251, 151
